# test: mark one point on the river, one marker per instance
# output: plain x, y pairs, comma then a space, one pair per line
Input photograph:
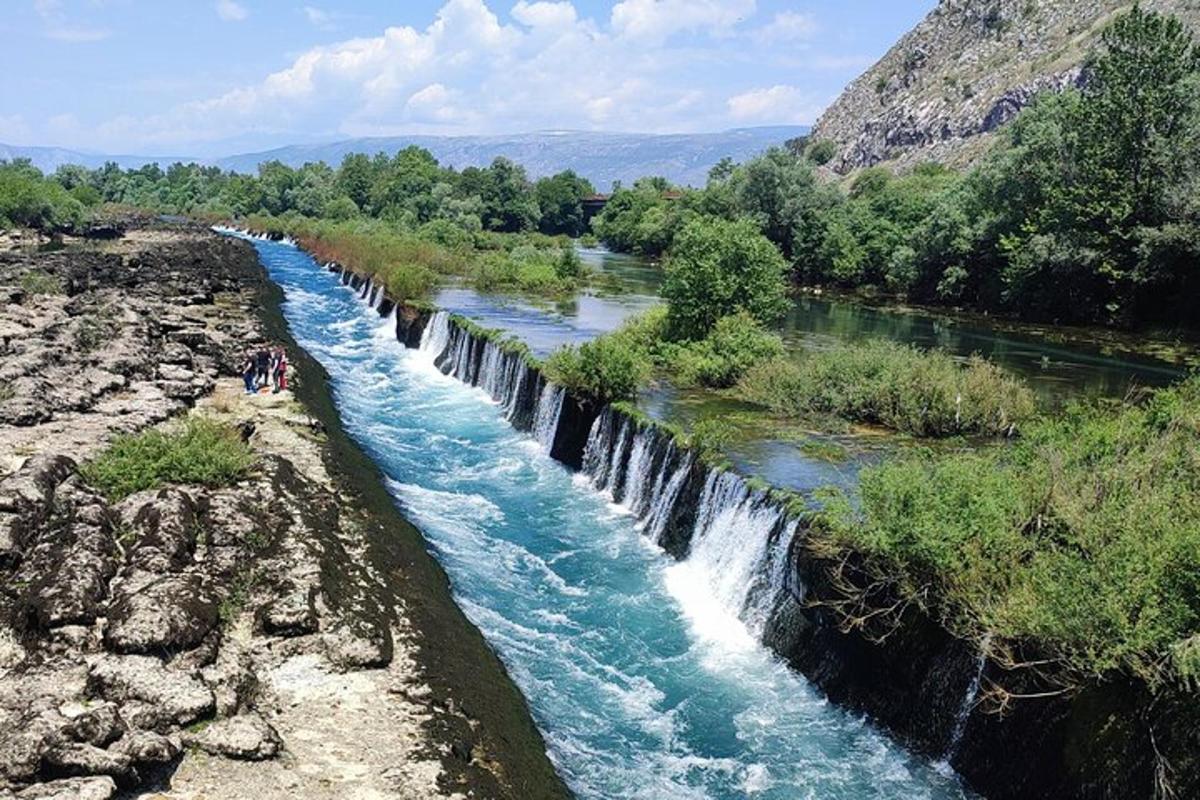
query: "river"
643, 681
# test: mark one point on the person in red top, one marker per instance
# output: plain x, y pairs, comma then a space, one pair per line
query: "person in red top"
281, 366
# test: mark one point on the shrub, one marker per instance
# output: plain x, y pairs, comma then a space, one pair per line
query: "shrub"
1081, 539
710, 438
735, 344
605, 369
196, 451
896, 386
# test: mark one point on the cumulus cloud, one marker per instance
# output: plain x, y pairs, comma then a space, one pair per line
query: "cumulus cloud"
230, 11
775, 104
470, 70
545, 15
657, 20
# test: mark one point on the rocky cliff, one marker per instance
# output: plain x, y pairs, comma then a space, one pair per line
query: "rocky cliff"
968, 68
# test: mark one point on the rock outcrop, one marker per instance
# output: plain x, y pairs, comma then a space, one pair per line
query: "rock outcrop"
968, 68
244, 623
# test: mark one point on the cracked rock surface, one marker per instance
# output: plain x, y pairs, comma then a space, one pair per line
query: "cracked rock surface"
185, 641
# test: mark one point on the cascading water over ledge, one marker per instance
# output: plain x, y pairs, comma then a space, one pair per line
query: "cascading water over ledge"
744, 556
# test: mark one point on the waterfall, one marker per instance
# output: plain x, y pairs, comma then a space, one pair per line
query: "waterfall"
436, 335
638, 480
663, 501
968, 703
549, 408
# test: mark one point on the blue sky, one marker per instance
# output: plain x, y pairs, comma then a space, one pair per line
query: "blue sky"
207, 77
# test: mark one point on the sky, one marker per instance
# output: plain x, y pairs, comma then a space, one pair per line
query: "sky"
215, 77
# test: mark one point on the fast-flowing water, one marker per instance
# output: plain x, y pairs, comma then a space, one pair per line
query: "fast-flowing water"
639, 670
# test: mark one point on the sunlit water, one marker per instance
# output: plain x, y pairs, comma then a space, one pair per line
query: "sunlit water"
643, 683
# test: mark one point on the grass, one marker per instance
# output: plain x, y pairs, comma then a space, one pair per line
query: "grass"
39, 281
1080, 540
412, 263
923, 393
196, 451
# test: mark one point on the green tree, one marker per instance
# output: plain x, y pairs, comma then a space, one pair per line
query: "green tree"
508, 202
717, 268
560, 201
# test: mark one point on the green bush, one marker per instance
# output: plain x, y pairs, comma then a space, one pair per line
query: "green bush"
606, 369
735, 344
196, 451
896, 386
31, 201
1081, 539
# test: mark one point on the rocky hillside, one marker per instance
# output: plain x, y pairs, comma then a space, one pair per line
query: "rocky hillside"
964, 71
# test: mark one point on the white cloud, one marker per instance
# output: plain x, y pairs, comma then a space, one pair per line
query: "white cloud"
64, 27
787, 26
545, 15
656, 20
470, 71
230, 11
777, 104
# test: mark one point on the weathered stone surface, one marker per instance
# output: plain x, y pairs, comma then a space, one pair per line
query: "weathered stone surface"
178, 696
247, 737
99, 726
161, 613
68, 568
98, 788
293, 613
231, 678
146, 747
76, 759
162, 524
358, 646
25, 500
22, 744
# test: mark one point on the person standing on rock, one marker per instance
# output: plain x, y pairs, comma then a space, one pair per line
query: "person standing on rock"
262, 359
281, 366
249, 370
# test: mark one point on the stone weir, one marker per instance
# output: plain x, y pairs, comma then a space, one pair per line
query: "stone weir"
1009, 732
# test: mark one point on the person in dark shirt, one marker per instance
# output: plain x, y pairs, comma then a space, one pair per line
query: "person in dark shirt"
262, 360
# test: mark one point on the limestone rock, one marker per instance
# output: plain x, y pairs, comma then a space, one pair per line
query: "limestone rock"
231, 678
177, 696
146, 748
163, 526
76, 759
99, 726
350, 647
99, 788
246, 737
161, 613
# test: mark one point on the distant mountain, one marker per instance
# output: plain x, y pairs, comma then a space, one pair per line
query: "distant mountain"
48, 159
601, 157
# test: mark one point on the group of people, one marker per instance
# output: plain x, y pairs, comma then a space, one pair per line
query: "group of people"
265, 369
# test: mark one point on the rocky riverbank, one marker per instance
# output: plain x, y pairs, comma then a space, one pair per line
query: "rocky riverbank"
285, 636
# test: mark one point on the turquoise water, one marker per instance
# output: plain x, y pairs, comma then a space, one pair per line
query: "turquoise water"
643, 684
